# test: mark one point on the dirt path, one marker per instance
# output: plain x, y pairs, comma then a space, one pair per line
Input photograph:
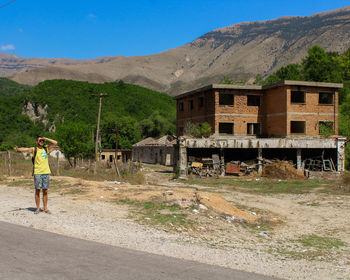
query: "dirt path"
267, 250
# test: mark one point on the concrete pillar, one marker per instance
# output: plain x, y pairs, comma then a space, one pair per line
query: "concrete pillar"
299, 159
183, 160
260, 157
341, 142
222, 162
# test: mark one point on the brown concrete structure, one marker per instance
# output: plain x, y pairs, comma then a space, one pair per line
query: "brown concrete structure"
248, 122
290, 108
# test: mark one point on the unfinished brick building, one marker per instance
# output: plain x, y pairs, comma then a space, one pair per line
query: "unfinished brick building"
277, 121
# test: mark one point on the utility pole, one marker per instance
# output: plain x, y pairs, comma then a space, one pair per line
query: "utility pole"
98, 128
116, 149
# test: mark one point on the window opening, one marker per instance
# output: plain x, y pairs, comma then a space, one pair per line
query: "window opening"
181, 106
200, 102
326, 127
253, 100
253, 128
297, 127
181, 131
325, 98
226, 99
190, 105
225, 128
297, 97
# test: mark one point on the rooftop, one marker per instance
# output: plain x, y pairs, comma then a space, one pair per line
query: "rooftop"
260, 87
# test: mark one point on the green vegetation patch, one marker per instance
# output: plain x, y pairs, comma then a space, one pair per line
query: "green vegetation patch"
155, 213
20, 183
264, 186
320, 242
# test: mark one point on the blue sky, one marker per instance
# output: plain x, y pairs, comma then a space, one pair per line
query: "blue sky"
88, 29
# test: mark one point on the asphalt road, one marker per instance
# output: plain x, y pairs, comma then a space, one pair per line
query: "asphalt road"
27, 253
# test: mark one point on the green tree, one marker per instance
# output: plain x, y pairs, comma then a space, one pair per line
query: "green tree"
322, 66
129, 132
258, 80
289, 72
206, 129
76, 140
197, 130
157, 125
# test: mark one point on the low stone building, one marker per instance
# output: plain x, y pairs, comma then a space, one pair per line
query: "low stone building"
108, 155
155, 151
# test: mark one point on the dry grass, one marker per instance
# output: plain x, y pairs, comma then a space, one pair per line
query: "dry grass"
344, 185
128, 172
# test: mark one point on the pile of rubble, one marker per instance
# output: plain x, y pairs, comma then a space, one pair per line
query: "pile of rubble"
280, 169
205, 167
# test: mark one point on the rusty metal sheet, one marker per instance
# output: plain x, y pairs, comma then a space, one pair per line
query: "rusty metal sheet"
232, 168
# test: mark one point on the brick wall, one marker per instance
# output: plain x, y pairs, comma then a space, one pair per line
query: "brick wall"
240, 113
311, 111
199, 114
274, 108
275, 113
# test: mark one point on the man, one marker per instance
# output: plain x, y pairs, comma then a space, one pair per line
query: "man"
41, 169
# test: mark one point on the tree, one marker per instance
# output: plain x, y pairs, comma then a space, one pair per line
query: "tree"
322, 66
76, 140
289, 72
129, 132
198, 130
157, 125
206, 129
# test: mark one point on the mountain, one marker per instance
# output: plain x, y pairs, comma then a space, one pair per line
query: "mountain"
240, 51
10, 65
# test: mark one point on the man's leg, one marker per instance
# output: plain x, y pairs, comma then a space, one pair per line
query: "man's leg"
37, 199
45, 197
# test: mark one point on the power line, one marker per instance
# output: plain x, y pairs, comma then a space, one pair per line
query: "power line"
7, 4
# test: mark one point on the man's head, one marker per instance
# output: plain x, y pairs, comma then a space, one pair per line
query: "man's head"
40, 141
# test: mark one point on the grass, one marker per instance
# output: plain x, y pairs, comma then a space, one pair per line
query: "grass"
128, 173
320, 242
312, 247
264, 186
18, 183
166, 215
314, 203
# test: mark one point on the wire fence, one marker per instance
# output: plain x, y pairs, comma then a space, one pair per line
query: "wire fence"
20, 164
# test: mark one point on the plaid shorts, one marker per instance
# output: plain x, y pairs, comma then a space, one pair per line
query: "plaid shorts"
41, 182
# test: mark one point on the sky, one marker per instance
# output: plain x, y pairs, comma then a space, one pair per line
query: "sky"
89, 29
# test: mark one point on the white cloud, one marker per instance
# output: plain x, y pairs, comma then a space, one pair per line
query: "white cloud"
91, 16
9, 47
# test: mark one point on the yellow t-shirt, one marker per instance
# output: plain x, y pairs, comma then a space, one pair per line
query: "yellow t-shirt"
41, 162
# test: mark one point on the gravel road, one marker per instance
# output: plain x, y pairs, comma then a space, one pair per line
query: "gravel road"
109, 224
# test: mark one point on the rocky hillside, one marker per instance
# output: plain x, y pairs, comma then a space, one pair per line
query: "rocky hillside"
240, 51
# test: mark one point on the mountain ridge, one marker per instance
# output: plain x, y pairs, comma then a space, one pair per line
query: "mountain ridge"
239, 51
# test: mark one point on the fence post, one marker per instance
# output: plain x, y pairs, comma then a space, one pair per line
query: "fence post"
58, 164
9, 163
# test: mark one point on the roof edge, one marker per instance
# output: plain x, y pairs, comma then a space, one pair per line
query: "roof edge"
260, 87
304, 83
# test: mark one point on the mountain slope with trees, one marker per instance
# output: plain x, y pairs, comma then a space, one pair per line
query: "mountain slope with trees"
57, 107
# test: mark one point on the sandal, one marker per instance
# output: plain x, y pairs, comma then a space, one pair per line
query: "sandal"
36, 212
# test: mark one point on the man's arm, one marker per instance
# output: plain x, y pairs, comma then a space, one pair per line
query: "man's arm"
53, 143
23, 149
